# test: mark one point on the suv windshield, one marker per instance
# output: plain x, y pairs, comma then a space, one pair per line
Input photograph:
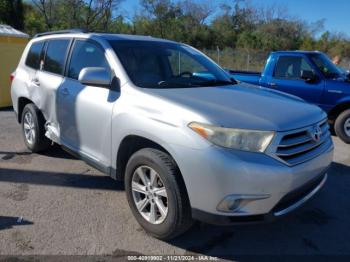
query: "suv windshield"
325, 65
152, 64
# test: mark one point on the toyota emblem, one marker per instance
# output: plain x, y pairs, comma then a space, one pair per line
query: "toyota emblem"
316, 134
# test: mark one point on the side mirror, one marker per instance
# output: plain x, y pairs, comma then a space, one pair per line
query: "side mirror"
308, 76
95, 76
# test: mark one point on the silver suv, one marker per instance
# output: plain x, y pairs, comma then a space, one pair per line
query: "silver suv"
189, 142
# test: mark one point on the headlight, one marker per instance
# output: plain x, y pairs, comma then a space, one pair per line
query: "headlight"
241, 139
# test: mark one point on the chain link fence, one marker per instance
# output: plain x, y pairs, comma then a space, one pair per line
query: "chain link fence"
249, 60
239, 59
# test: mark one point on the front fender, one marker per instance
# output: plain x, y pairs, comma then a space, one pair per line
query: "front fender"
165, 134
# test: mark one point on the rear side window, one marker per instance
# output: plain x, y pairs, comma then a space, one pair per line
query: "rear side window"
55, 56
34, 55
86, 54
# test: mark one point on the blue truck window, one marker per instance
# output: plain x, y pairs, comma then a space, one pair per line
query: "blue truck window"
291, 67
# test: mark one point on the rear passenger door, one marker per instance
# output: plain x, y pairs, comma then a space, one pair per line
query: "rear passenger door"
287, 78
33, 62
85, 112
49, 79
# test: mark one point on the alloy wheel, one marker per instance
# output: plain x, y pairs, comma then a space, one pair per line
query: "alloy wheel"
347, 127
29, 127
149, 194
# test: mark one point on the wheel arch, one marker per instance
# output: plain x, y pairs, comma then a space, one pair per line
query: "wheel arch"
131, 144
22, 102
337, 110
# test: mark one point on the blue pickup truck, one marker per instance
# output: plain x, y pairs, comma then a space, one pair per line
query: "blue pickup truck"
313, 77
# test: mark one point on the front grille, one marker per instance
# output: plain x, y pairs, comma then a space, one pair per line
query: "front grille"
302, 145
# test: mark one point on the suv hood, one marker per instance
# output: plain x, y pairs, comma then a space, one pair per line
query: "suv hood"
243, 106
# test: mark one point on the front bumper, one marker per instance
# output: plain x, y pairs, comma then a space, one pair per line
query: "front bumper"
287, 204
213, 174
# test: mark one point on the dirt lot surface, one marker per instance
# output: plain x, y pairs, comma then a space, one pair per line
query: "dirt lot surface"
55, 204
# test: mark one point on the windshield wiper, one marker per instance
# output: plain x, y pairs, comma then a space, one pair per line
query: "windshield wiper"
176, 85
215, 82
212, 82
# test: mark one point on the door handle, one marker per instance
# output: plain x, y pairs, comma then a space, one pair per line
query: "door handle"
36, 81
65, 91
273, 84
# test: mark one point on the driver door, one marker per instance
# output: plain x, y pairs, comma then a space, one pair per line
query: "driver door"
287, 78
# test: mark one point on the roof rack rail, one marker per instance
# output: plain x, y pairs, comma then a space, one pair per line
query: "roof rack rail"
68, 31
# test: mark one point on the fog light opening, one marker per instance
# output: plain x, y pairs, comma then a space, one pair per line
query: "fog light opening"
229, 204
234, 203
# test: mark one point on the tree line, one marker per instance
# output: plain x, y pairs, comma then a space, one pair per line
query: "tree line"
231, 25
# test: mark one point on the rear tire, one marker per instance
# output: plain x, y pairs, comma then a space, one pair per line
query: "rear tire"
33, 129
342, 126
149, 162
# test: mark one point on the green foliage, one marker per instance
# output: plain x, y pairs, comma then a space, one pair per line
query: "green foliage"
33, 22
11, 13
236, 26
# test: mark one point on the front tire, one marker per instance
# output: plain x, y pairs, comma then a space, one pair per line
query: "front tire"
342, 126
33, 129
156, 194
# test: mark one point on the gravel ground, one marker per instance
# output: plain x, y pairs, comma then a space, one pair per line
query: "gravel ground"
54, 204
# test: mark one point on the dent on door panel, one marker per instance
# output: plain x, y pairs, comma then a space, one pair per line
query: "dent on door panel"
46, 95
